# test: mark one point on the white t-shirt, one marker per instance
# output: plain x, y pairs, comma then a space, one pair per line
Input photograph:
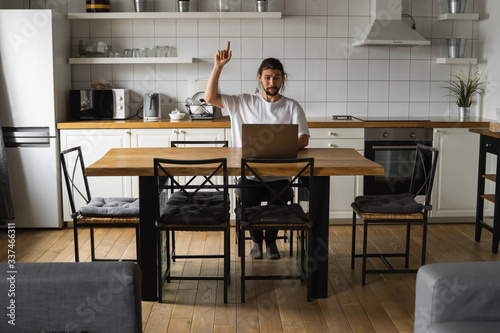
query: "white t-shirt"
254, 109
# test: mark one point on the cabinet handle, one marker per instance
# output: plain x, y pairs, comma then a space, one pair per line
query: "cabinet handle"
331, 145
128, 132
175, 132
183, 132
332, 133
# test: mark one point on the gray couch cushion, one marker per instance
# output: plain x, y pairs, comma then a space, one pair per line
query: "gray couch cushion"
388, 204
62, 297
457, 293
465, 327
107, 207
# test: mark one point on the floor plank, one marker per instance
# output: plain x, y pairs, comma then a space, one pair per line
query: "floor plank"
385, 304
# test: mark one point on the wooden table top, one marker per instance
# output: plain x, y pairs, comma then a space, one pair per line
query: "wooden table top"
139, 162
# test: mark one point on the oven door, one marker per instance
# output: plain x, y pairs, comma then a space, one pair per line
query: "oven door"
397, 158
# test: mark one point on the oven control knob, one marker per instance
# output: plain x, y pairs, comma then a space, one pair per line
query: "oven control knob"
413, 135
385, 135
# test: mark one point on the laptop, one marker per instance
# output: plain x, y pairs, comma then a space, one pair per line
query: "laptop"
272, 141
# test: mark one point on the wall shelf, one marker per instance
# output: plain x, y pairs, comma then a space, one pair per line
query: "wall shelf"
96, 61
173, 15
462, 17
457, 61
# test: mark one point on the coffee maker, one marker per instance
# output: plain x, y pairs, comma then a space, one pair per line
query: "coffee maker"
152, 106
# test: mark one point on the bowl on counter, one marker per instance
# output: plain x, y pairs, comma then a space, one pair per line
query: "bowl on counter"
176, 115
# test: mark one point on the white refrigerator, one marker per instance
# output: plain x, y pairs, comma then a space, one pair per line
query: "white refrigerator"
34, 80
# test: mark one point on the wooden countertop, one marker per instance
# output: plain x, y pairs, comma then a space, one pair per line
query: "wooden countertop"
316, 122
485, 131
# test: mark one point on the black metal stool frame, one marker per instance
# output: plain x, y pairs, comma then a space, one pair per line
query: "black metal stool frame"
71, 186
166, 181
303, 180
411, 219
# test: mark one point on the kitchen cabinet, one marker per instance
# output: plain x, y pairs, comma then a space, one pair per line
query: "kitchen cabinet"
455, 184
95, 143
343, 189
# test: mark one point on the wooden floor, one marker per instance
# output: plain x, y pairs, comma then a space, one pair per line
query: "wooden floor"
385, 304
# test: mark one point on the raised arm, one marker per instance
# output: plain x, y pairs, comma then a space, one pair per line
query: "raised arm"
221, 58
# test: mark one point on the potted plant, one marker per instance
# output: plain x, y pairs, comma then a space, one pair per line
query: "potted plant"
463, 90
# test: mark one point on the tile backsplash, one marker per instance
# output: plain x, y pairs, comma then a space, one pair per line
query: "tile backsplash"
313, 39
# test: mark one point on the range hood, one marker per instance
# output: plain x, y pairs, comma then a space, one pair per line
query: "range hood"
387, 27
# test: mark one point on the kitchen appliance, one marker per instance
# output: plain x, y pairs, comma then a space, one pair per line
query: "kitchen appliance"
387, 27
99, 104
394, 149
34, 81
151, 106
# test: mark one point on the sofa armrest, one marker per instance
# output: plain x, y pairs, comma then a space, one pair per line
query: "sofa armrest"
93, 297
457, 292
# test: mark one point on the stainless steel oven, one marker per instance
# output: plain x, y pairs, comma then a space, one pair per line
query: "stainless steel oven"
394, 149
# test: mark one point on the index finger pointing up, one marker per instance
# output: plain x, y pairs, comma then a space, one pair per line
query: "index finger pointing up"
228, 45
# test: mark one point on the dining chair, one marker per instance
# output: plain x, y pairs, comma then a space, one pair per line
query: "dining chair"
194, 143
96, 212
190, 207
397, 209
279, 214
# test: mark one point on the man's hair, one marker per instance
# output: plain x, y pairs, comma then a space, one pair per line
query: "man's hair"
274, 64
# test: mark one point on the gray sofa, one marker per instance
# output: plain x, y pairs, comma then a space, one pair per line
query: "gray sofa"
71, 297
458, 298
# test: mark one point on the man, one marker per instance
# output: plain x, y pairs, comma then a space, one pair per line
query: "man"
268, 107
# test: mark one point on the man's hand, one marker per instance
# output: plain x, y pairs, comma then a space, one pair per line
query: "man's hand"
222, 57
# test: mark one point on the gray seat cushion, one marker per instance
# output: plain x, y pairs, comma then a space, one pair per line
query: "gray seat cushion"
271, 214
111, 207
213, 198
194, 214
388, 204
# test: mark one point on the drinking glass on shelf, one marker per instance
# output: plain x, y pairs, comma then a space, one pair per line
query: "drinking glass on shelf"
146, 52
127, 53
136, 53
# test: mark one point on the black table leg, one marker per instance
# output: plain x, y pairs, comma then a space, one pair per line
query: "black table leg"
148, 238
480, 189
321, 222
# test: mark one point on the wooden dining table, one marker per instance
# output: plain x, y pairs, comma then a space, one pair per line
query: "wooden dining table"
139, 162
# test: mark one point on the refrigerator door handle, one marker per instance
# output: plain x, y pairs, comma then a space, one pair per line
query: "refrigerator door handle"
26, 137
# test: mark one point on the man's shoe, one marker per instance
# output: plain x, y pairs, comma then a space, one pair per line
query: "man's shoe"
272, 251
256, 251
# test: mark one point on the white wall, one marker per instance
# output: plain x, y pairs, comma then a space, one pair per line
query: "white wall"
312, 39
490, 54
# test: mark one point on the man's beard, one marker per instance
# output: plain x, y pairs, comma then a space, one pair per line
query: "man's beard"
269, 93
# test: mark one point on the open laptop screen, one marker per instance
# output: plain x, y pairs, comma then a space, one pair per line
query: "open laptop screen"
269, 140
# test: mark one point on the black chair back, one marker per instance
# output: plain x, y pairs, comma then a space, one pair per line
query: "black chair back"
424, 167
179, 203
302, 181
73, 168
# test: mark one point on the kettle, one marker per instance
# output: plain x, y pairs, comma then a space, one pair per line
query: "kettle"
152, 106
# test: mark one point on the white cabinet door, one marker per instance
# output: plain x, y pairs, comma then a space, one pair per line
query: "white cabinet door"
343, 189
94, 144
455, 183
